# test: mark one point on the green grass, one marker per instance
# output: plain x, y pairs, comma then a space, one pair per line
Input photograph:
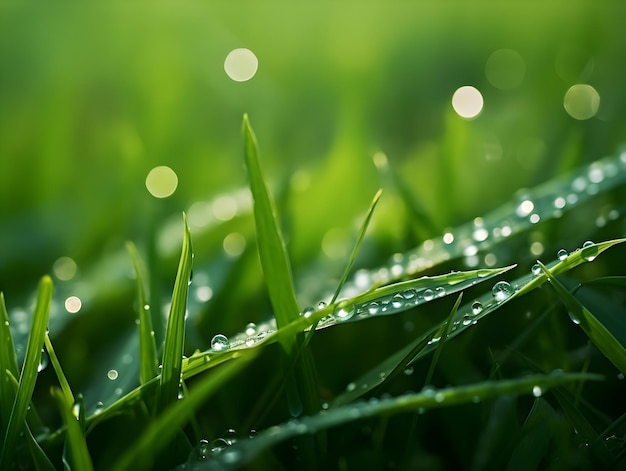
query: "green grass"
388, 295
472, 317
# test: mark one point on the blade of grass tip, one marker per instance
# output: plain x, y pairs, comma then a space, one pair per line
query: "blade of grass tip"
355, 251
272, 251
8, 362
77, 453
175, 331
40, 459
166, 425
29, 373
441, 335
595, 330
148, 362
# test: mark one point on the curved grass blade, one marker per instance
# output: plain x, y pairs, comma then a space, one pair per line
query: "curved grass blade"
441, 337
175, 331
548, 201
8, 362
355, 251
30, 369
166, 425
65, 386
324, 317
148, 363
466, 316
357, 246
245, 450
595, 330
76, 454
272, 251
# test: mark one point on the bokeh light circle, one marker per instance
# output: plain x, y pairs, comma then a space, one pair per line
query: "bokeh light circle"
241, 64
161, 181
467, 102
581, 101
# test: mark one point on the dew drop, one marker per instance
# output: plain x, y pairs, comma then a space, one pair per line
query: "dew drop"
408, 294
408, 370
350, 387
561, 254
250, 328
502, 290
373, 307
440, 292
397, 301
466, 320
537, 391
477, 307
429, 295
43, 362
344, 312
220, 343
536, 270
589, 251
321, 305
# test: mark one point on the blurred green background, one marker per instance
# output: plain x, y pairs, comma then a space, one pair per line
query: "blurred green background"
94, 96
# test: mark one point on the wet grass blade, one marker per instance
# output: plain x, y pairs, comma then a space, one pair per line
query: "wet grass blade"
466, 316
29, 373
175, 330
272, 250
8, 362
148, 363
165, 426
441, 338
76, 454
595, 330
245, 450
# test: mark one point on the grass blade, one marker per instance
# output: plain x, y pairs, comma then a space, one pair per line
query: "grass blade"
40, 459
441, 337
595, 330
65, 386
148, 363
76, 446
272, 251
175, 331
29, 372
166, 425
245, 450
8, 362
355, 250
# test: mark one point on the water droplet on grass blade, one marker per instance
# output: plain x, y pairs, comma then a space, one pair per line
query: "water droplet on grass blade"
344, 312
477, 307
537, 391
429, 295
561, 254
220, 343
536, 270
251, 328
589, 251
502, 290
